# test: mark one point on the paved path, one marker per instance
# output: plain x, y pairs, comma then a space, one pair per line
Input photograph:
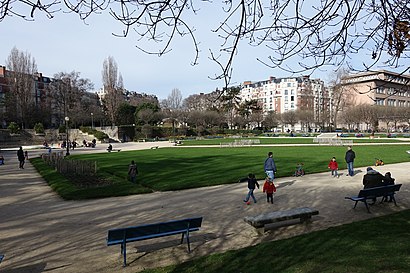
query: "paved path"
41, 232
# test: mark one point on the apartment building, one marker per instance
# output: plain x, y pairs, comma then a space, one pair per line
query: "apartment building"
287, 94
379, 88
39, 94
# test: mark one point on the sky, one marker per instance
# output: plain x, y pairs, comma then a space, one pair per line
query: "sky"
65, 43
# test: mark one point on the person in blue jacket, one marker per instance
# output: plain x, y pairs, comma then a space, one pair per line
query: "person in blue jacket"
270, 167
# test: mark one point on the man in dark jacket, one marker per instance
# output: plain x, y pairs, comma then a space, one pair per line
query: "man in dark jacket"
21, 157
372, 179
349, 157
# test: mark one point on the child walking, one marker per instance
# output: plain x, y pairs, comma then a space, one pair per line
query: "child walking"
252, 184
333, 166
269, 188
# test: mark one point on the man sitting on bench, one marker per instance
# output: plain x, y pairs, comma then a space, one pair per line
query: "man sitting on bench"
109, 149
373, 179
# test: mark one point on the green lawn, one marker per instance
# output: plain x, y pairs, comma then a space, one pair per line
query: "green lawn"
375, 245
182, 168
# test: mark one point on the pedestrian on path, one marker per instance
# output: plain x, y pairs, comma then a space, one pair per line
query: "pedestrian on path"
270, 166
269, 188
21, 157
349, 157
133, 171
252, 184
333, 166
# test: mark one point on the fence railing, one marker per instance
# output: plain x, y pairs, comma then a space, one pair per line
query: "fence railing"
240, 143
79, 167
333, 141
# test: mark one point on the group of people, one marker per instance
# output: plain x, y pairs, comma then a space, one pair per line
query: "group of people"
349, 158
371, 179
268, 187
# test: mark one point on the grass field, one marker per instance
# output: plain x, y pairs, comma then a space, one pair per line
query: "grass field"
375, 245
182, 168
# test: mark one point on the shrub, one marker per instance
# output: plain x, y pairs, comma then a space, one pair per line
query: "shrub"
39, 128
14, 128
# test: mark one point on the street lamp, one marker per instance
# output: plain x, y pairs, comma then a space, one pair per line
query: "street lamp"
92, 121
66, 126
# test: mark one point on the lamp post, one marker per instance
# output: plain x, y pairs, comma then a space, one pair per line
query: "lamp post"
66, 125
92, 121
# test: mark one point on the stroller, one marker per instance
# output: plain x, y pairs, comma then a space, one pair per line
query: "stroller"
379, 162
299, 170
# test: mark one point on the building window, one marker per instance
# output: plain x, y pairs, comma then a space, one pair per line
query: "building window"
379, 102
292, 98
286, 91
391, 102
289, 84
380, 90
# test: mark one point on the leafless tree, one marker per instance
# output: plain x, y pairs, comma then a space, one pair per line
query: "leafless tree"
341, 96
113, 87
301, 35
67, 91
271, 120
289, 117
146, 116
369, 114
350, 117
257, 117
212, 118
20, 101
196, 118
306, 118
173, 101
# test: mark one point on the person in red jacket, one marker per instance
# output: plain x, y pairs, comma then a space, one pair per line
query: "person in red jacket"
333, 166
269, 188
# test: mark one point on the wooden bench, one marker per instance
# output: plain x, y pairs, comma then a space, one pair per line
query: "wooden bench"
371, 193
259, 222
122, 236
114, 150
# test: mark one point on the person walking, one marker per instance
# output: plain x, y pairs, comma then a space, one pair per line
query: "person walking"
133, 171
21, 157
349, 157
252, 184
270, 166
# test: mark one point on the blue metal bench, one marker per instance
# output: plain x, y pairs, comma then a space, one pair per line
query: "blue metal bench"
371, 193
122, 236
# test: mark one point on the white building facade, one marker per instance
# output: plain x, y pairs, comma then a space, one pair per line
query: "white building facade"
288, 94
